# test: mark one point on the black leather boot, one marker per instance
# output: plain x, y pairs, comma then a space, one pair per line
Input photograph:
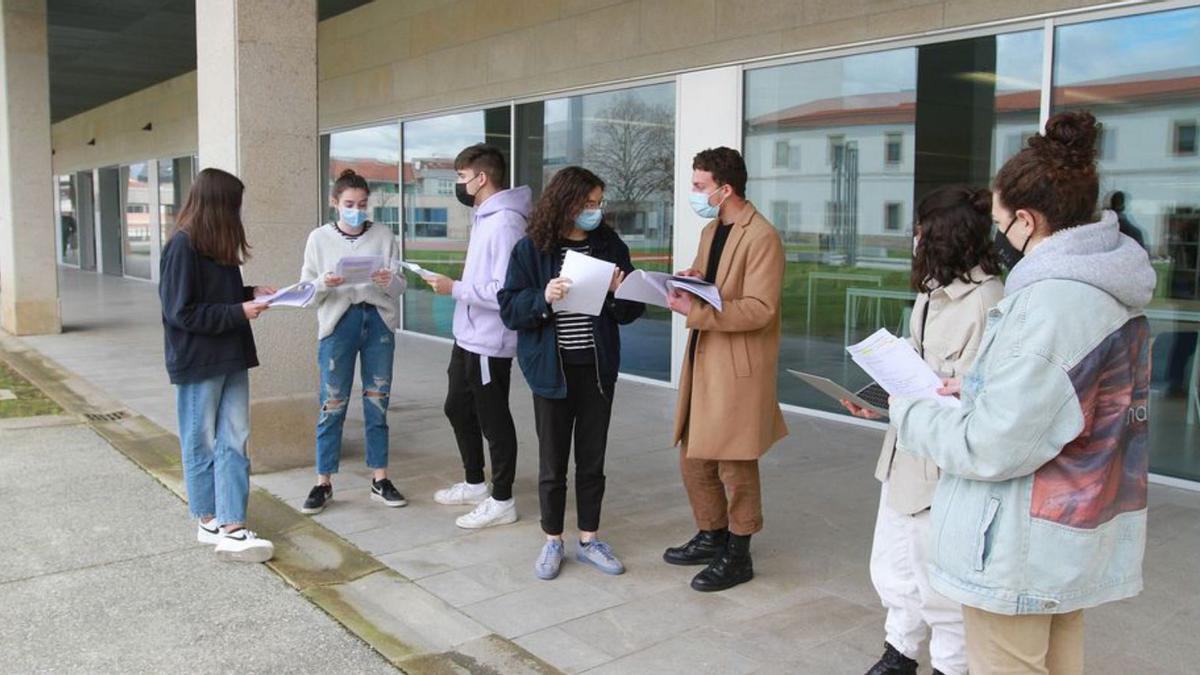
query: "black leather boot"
893, 663
700, 550
729, 569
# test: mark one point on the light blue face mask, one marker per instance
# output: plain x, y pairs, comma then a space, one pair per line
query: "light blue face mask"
352, 218
700, 205
588, 219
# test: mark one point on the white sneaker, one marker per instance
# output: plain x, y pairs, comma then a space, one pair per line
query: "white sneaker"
208, 534
489, 513
244, 546
462, 494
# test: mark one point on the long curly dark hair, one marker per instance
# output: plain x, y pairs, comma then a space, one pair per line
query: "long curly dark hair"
955, 226
560, 203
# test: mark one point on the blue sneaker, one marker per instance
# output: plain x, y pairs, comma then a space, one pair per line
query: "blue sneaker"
599, 555
550, 561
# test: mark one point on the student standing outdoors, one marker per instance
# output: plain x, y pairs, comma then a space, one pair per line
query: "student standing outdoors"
728, 415
569, 360
955, 273
1041, 509
481, 360
209, 346
356, 322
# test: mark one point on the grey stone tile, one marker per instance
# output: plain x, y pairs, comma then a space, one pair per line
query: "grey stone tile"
566, 652
645, 621
704, 650
541, 605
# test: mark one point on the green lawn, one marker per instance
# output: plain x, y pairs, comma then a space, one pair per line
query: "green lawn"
30, 400
829, 301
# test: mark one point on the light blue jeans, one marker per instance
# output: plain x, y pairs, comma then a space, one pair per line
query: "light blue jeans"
214, 425
363, 336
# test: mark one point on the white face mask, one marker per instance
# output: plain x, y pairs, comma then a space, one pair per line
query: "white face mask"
916, 244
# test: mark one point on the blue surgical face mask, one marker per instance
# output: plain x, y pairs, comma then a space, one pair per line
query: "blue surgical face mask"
700, 205
352, 218
588, 219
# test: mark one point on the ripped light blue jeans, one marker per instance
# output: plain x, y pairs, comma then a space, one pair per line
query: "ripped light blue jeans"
360, 333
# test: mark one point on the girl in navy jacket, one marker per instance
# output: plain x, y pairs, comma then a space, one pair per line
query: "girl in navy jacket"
569, 360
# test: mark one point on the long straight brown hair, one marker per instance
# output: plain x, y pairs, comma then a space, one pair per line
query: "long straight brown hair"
212, 217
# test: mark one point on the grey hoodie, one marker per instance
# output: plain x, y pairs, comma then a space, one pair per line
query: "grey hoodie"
1096, 254
499, 223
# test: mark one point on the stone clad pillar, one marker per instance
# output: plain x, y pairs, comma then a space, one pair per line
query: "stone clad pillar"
257, 108
28, 266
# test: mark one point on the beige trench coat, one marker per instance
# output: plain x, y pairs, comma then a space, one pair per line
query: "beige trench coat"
953, 329
728, 406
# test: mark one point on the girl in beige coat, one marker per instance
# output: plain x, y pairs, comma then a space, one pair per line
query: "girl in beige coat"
956, 274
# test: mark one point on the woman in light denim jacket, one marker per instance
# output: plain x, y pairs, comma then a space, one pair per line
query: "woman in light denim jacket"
1041, 508
956, 273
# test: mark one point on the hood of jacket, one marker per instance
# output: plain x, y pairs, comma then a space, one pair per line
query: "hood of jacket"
518, 199
1096, 254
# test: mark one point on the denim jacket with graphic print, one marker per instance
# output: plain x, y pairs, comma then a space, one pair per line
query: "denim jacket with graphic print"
1041, 508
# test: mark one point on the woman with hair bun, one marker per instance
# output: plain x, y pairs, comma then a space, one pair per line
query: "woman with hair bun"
355, 322
1040, 512
956, 275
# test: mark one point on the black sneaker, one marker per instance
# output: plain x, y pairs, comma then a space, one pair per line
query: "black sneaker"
893, 663
318, 497
384, 491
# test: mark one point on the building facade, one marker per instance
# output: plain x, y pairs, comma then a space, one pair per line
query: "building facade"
846, 112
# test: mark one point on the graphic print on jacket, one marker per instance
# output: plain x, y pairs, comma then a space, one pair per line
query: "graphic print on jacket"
1102, 473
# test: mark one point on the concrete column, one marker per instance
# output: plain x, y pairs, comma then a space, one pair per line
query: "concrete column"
28, 265
257, 109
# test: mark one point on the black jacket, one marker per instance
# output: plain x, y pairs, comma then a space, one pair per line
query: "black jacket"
205, 331
523, 308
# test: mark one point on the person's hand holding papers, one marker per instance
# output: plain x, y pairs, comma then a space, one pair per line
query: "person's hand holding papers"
680, 301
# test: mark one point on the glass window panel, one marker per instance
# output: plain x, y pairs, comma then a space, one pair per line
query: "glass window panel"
1139, 76
68, 222
175, 178
889, 126
436, 226
626, 137
137, 239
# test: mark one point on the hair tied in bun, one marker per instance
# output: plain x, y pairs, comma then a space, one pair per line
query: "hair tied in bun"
981, 200
349, 179
1069, 140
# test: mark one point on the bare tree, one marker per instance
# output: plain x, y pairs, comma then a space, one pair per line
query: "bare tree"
633, 150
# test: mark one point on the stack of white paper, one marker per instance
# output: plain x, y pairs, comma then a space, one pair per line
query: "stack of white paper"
654, 287
590, 279
897, 367
296, 295
358, 269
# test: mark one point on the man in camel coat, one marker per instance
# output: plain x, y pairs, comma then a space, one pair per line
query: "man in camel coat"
728, 413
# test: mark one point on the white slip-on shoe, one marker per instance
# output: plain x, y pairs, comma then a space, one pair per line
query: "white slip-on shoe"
489, 513
462, 494
244, 546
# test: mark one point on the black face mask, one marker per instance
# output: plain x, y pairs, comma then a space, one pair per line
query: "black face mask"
460, 192
1009, 255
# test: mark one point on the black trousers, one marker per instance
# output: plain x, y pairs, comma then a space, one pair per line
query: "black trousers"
584, 413
477, 410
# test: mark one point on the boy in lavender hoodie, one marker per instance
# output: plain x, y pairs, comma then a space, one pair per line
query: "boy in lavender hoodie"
481, 362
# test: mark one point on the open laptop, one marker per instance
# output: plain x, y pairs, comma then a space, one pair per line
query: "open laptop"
872, 397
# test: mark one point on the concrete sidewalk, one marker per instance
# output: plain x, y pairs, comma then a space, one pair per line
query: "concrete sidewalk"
101, 572
459, 594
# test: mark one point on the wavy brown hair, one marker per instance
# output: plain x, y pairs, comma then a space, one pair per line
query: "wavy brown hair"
212, 217
560, 203
955, 224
